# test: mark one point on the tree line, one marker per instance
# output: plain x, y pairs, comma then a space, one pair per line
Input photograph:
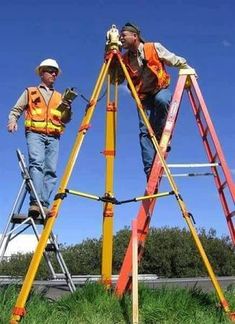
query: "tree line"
168, 252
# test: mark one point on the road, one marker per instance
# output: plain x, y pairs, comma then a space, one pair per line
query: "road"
54, 289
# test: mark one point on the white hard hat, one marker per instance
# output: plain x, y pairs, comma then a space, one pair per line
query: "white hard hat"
48, 62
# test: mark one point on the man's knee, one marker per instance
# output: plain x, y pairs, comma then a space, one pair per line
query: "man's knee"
163, 98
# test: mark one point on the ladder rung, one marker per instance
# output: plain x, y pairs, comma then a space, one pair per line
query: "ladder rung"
198, 111
222, 186
231, 214
51, 247
205, 133
214, 158
60, 276
20, 218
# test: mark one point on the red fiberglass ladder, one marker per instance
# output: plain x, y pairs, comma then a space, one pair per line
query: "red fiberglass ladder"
222, 175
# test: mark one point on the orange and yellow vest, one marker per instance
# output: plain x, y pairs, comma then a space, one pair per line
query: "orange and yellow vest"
41, 117
154, 64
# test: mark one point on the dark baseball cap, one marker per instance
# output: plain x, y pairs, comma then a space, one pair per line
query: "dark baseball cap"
132, 28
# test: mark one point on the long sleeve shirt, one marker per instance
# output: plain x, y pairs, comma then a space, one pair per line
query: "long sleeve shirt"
22, 102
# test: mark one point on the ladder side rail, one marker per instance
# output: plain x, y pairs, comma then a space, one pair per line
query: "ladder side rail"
211, 156
59, 257
62, 263
11, 237
29, 183
157, 169
20, 198
217, 177
147, 207
203, 128
26, 187
15, 228
65, 271
45, 254
215, 139
220, 184
28, 180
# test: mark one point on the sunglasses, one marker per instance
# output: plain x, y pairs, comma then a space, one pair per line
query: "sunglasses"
51, 70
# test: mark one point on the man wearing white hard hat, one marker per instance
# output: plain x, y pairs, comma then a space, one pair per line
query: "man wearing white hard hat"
44, 123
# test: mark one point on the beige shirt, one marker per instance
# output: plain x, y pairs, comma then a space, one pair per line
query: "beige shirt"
22, 102
137, 63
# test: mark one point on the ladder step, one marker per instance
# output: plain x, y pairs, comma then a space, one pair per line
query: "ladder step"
198, 112
20, 218
206, 131
222, 186
60, 276
214, 158
51, 247
231, 214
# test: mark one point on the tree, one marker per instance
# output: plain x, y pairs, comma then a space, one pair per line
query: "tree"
168, 252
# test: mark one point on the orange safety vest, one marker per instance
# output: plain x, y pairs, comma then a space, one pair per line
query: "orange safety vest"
154, 64
41, 117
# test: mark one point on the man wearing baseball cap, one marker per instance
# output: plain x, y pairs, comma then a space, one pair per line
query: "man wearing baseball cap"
145, 62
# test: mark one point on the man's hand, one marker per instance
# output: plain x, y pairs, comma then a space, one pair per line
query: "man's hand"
12, 127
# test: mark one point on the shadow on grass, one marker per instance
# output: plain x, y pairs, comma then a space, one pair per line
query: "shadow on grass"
124, 308
208, 301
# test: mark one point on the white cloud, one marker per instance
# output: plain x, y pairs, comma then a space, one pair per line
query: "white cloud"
24, 243
226, 43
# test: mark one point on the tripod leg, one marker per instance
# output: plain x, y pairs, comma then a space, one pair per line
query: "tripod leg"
19, 309
108, 209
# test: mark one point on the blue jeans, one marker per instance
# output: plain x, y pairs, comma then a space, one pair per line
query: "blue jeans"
43, 155
156, 109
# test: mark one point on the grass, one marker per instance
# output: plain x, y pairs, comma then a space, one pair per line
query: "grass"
92, 304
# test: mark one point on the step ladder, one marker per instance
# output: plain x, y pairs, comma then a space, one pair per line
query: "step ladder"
18, 223
221, 172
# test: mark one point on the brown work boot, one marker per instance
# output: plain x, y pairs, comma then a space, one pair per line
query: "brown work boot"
34, 211
46, 210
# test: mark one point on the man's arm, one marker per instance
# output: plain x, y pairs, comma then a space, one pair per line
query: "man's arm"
16, 112
170, 58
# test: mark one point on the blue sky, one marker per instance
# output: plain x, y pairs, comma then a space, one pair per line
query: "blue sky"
73, 32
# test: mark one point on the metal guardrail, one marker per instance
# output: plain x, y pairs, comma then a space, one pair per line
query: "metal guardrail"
77, 279
151, 280
54, 289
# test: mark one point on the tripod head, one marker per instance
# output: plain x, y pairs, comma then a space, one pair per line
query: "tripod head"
113, 39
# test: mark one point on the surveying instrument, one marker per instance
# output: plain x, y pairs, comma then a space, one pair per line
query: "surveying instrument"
109, 73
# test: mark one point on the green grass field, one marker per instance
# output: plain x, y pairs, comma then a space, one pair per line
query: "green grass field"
92, 304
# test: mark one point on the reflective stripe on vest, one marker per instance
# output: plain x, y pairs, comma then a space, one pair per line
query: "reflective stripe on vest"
41, 117
154, 64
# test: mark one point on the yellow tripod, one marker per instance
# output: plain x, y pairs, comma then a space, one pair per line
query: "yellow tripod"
113, 61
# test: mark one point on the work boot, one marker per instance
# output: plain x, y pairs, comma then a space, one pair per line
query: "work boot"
46, 210
34, 211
